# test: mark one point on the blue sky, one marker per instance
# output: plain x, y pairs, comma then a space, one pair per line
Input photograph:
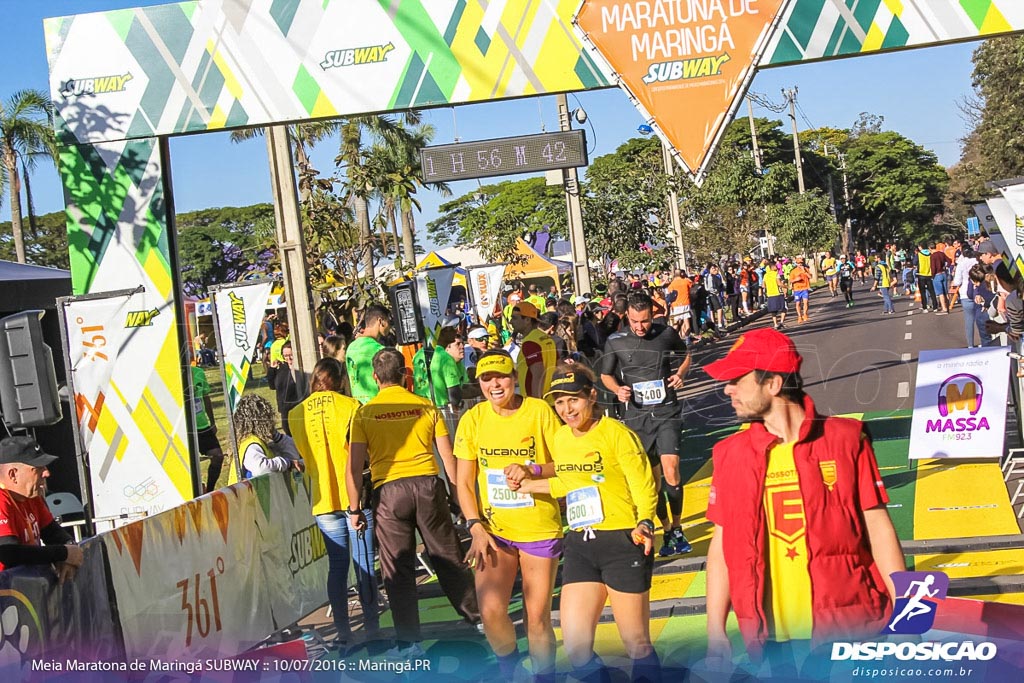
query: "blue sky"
917, 92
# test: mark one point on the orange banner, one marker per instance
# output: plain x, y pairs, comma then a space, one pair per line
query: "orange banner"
685, 61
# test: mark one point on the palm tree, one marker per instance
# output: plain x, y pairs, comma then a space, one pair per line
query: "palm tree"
352, 157
26, 132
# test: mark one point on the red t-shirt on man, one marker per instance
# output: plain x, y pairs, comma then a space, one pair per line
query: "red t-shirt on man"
24, 520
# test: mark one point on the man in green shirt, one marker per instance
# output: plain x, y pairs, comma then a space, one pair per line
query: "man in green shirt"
206, 431
447, 373
360, 353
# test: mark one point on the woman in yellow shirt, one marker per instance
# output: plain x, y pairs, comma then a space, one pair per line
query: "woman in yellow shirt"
320, 426
512, 531
601, 469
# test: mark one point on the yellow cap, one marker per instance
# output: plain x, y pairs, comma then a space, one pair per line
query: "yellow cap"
497, 363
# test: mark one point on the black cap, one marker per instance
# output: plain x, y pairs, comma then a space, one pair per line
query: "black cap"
25, 450
549, 319
569, 382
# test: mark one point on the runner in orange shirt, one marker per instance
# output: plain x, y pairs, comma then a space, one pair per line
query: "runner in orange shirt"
679, 303
800, 280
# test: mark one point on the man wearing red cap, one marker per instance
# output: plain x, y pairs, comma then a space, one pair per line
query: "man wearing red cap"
803, 548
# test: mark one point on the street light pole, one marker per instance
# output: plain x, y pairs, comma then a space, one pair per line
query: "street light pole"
571, 183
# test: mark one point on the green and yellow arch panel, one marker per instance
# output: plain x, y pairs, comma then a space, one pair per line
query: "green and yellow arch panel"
189, 67
826, 29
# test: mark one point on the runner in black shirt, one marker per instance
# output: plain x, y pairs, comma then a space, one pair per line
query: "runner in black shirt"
643, 367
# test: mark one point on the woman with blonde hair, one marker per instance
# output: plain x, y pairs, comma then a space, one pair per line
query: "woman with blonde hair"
512, 532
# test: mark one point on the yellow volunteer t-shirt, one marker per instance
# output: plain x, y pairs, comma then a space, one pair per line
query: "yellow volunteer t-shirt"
771, 282
787, 600
494, 441
398, 428
537, 347
320, 426
610, 461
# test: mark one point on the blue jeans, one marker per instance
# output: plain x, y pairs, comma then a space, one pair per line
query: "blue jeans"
939, 282
342, 542
886, 300
975, 317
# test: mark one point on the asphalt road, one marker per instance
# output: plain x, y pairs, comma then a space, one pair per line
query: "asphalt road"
855, 359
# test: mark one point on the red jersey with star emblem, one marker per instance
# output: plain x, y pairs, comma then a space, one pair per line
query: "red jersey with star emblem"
24, 520
788, 588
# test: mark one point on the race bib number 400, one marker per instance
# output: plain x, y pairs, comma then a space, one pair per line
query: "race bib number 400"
649, 393
501, 496
583, 508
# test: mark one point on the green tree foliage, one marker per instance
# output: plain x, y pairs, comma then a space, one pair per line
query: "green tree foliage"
731, 209
47, 245
221, 245
998, 80
896, 189
493, 217
994, 148
625, 209
804, 223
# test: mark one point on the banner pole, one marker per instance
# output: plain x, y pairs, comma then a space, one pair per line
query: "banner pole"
81, 459
232, 440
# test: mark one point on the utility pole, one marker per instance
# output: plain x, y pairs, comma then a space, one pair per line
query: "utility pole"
790, 96
571, 183
292, 247
753, 136
673, 205
760, 169
848, 234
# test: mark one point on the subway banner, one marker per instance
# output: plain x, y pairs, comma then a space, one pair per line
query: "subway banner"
293, 551
240, 308
198, 66
212, 600
1014, 196
685, 64
109, 339
960, 403
433, 287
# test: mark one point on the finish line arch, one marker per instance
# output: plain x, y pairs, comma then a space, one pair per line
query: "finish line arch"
124, 81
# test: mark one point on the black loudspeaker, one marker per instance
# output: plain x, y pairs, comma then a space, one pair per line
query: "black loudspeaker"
406, 313
28, 383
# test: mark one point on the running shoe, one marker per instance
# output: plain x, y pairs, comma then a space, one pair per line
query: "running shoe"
405, 654
679, 542
668, 548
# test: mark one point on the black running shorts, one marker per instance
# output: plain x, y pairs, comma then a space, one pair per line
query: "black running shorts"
207, 440
610, 558
659, 429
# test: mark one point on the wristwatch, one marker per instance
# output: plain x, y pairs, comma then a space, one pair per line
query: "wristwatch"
470, 523
352, 513
647, 524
